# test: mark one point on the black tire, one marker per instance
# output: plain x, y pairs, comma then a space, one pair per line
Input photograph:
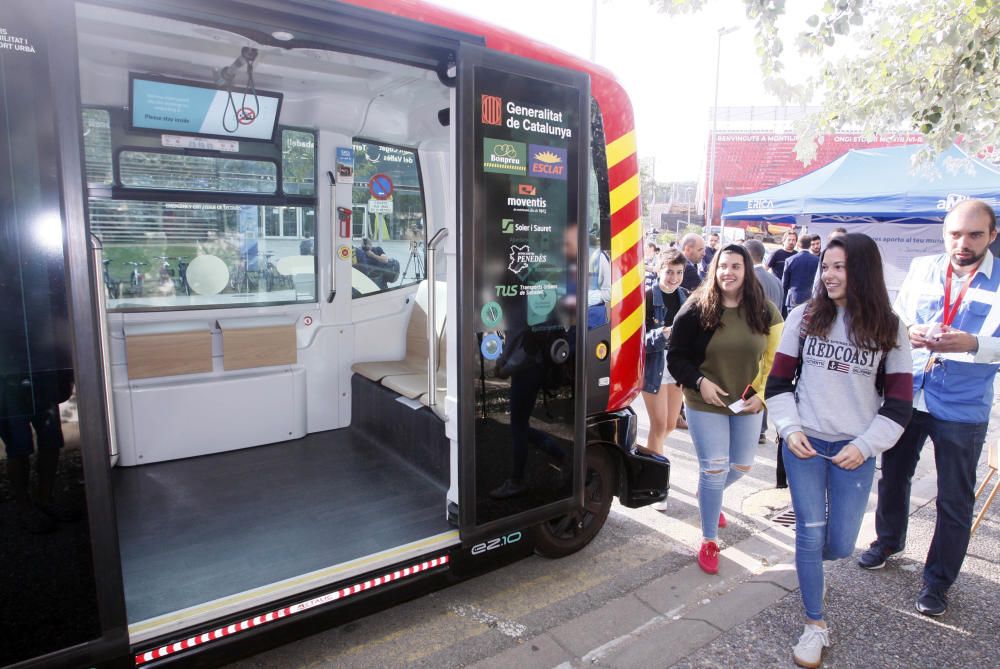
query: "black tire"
564, 535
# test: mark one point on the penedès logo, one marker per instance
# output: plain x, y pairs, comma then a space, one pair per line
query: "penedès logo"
548, 162
492, 113
504, 157
498, 542
522, 257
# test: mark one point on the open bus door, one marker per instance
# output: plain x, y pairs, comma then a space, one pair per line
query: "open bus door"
523, 146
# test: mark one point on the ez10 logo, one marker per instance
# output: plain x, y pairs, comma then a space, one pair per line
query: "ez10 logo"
499, 542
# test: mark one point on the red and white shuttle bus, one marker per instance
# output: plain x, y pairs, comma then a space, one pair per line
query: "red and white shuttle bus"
308, 307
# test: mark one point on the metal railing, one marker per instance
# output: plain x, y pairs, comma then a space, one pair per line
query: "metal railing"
432, 334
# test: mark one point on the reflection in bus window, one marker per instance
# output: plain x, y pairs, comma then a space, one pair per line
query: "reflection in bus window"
298, 162
180, 253
598, 227
389, 232
173, 254
151, 169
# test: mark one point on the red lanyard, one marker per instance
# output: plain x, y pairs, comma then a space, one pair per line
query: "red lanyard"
949, 311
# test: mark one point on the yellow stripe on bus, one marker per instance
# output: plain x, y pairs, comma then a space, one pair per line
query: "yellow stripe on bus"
627, 328
625, 285
621, 148
626, 239
625, 193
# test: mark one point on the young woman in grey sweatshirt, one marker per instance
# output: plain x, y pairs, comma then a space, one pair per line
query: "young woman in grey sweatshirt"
840, 392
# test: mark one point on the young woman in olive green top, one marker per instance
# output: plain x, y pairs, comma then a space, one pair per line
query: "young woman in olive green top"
721, 348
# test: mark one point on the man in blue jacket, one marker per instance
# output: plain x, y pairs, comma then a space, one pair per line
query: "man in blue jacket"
799, 274
950, 307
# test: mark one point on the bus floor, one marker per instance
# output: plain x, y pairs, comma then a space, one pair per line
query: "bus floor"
195, 530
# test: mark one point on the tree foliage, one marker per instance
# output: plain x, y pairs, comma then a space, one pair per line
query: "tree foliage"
929, 66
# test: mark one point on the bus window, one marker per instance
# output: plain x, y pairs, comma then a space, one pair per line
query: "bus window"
598, 226
298, 162
389, 234
200, 245
154, 169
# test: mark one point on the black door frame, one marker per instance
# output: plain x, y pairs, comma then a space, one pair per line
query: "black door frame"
469, 57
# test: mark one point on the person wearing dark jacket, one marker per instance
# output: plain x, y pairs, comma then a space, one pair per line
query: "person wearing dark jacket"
720, 350
660, 392
799, 276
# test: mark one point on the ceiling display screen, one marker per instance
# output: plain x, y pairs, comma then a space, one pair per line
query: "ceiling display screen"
178, 106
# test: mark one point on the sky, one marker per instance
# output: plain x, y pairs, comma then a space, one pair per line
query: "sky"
667, 64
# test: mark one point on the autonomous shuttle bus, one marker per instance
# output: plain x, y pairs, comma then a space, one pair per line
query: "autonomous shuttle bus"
308, 307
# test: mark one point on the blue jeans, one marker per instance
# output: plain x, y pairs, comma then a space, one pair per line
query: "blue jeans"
724, 444
957, 447
829, 505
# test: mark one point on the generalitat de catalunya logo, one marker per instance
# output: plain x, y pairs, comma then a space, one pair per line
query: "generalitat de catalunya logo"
547, 162
492, 113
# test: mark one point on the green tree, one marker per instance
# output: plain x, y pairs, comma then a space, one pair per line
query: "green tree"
930, 66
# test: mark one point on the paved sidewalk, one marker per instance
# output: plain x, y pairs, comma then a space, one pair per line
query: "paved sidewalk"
750, 614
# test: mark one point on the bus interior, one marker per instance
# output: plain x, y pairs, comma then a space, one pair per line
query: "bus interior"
267, 309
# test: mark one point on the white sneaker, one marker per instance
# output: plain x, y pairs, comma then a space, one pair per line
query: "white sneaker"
659, 506
808, 652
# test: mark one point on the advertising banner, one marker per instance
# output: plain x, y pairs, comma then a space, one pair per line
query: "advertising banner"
899, 244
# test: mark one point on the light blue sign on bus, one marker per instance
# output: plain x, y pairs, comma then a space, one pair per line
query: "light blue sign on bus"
159, 105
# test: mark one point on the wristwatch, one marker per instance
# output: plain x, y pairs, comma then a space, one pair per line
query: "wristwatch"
697, 384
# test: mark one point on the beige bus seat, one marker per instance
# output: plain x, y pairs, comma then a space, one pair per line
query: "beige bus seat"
415, 360
414, 385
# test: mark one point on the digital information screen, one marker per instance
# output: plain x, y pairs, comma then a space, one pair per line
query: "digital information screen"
177, 106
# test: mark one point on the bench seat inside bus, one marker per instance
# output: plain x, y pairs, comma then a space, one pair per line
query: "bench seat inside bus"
415, 359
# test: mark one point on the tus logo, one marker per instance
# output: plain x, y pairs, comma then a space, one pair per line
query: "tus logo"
491, 106
527, 189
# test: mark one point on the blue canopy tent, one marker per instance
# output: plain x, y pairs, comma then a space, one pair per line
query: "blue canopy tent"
872, 185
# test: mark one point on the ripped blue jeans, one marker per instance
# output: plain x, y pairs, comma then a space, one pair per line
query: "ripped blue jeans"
829, 505
726, 445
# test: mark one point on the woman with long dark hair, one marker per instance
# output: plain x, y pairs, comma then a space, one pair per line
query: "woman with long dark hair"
840, 393
720, 351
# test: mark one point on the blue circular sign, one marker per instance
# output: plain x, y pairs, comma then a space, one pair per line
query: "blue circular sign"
492, 346
380, 186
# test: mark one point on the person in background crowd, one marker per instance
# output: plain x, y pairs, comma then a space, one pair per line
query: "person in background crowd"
799, 274
651, 262
720, 351
836, 232
693, 248
660, 391
816, 245
776, 263
835, 417
950, 307
710, 249
775, 294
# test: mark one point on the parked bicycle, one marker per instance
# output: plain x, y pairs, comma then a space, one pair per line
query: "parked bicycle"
136, 277
111, 287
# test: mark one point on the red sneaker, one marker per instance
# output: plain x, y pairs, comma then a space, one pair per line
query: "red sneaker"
708, 557
722, 519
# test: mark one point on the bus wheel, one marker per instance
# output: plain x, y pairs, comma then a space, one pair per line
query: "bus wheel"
568, 534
